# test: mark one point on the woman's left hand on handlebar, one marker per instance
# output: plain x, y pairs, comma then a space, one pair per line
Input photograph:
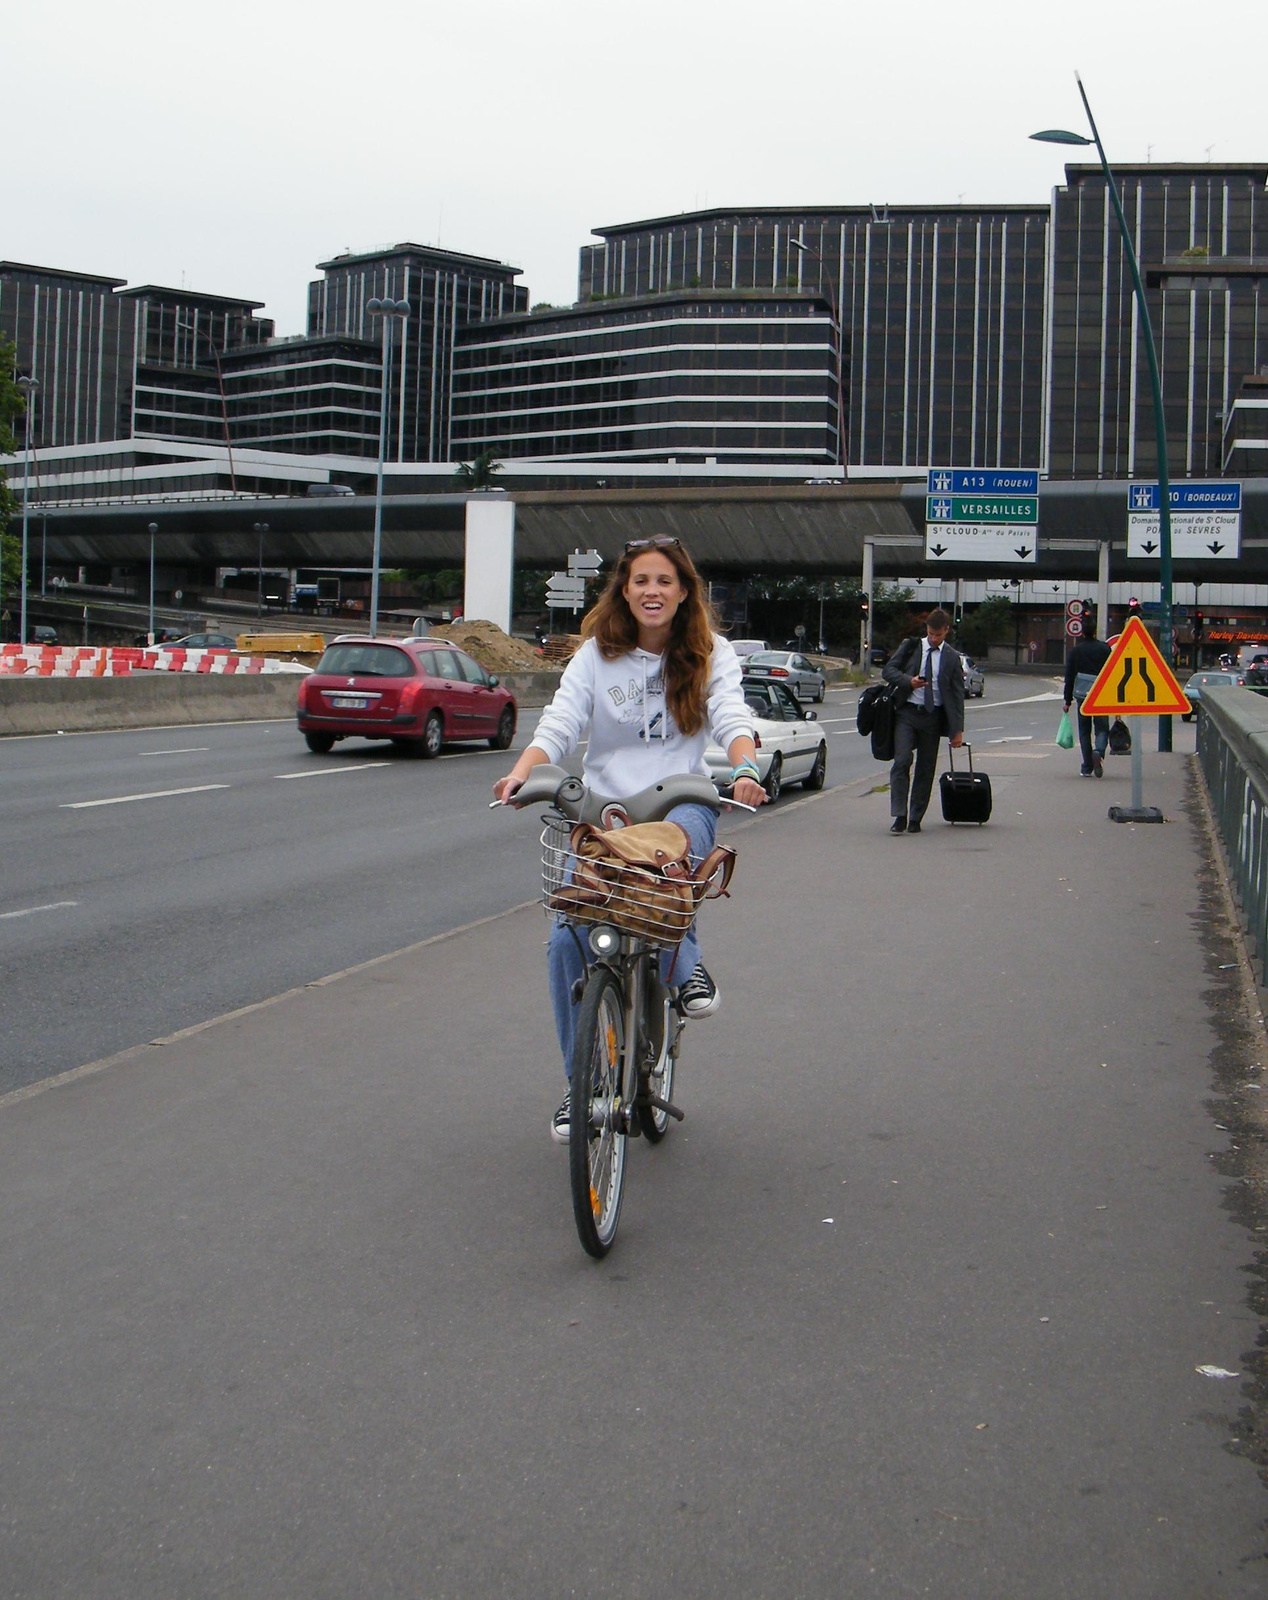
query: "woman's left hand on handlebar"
749, 792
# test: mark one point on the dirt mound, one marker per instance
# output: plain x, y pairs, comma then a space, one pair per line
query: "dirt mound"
494, 650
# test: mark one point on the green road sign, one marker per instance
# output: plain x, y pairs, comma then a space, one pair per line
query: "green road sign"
981, 508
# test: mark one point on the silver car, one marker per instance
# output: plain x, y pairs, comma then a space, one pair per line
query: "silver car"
788, 667
1208, 680
974, 679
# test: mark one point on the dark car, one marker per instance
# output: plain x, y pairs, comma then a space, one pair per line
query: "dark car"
42, 633
164, 636
419, 693
204, 641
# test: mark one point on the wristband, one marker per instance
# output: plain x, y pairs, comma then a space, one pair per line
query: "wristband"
745, 767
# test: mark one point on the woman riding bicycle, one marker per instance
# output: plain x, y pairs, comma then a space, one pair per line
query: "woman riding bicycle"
649, 686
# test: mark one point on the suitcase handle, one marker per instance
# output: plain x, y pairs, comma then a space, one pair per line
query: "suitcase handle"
951, 754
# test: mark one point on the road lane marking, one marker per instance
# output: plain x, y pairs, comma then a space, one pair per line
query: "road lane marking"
188, 750
123, 799
1014, 738
29, 911
325, 772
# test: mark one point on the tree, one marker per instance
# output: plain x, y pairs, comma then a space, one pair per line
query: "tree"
891, 615
12, 406
986, 623
478, 474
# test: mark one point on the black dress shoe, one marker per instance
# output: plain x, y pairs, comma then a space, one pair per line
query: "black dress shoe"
913, 827
898, 825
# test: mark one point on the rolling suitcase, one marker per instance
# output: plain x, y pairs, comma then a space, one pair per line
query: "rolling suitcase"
966, 796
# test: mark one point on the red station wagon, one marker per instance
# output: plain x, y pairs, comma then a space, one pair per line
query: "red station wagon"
419, 693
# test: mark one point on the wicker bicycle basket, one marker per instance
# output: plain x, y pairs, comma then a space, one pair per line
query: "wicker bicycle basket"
658, 909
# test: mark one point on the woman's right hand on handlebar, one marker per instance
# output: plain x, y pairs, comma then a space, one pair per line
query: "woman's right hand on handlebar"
505, 788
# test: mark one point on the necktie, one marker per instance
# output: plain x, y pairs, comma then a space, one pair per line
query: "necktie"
929, 670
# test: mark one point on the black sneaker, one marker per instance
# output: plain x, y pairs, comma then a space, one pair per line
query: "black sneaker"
561, 1122
699, 996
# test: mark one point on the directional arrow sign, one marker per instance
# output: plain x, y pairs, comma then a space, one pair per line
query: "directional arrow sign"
562, 590
1206, 520
980, 541
1135, 681
584, 563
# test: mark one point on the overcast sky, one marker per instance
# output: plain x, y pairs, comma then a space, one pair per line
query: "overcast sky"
230, 147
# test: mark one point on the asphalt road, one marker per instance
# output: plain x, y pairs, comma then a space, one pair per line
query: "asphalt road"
252, 866
915, 1303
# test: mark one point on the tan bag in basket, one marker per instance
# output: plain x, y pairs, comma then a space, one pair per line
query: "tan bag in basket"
640, 879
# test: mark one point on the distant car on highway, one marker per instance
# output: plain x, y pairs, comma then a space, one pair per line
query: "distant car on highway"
203, 641
419, 693
790, 744
748, 647
1208, 680
790, 667
163, 636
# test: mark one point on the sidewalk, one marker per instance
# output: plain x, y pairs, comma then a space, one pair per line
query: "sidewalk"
912, 1304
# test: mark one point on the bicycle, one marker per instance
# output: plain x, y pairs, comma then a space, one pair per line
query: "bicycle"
628, 1027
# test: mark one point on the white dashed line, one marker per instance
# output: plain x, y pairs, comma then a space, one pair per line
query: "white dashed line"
326, 772
29, 911
123, 799
191, 750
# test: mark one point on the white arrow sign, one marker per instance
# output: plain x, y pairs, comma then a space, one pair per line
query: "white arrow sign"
561, 590
584, 563
999, 542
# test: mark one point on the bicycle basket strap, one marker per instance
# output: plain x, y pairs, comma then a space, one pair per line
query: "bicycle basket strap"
712, 877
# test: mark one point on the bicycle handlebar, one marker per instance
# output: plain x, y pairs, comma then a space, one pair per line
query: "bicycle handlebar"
550, 785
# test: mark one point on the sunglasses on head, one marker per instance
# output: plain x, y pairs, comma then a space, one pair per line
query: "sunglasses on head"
658, 542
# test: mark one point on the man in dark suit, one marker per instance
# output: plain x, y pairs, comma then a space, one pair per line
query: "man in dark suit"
1082, 665
929, 676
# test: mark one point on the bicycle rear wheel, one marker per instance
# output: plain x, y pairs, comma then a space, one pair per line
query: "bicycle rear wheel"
597, 1144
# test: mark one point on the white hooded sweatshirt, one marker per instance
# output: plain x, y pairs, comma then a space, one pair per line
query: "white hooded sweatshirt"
633, 739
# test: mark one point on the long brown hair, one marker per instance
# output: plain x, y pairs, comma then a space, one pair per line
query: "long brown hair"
610, 623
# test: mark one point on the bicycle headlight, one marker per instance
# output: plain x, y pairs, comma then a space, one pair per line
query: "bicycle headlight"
604, 941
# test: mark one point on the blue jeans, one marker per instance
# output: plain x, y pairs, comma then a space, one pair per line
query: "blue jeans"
566, 964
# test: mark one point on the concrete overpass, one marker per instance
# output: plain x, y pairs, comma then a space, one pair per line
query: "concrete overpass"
815, 530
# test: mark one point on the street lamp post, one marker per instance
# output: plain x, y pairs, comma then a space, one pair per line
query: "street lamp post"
825, 278
28, 387
261, 528
1165, 632
388, 310
153, 531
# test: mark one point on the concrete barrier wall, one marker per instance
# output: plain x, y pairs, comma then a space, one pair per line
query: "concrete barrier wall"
160, 699
143, 700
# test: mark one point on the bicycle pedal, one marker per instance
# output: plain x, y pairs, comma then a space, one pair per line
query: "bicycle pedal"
664, 1105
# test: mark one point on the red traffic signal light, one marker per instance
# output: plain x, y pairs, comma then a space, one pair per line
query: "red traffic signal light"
1133, 604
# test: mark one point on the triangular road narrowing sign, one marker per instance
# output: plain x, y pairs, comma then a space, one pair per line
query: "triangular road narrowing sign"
1135, 681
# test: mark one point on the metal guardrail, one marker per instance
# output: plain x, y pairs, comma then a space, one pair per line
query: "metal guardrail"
1233, 751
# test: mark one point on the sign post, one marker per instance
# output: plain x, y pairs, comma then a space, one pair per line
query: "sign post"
1135, 682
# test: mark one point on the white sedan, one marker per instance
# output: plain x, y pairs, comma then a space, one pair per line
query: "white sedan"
791, 747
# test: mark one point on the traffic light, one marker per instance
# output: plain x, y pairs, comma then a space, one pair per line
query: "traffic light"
865, 605
1199, 624
958, 617
1133, 606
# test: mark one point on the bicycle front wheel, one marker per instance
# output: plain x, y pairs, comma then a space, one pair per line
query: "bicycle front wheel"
597, 1144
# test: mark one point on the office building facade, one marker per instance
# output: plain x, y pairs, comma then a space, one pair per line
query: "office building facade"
695, 375
942, 311
446, 291
1201, 237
